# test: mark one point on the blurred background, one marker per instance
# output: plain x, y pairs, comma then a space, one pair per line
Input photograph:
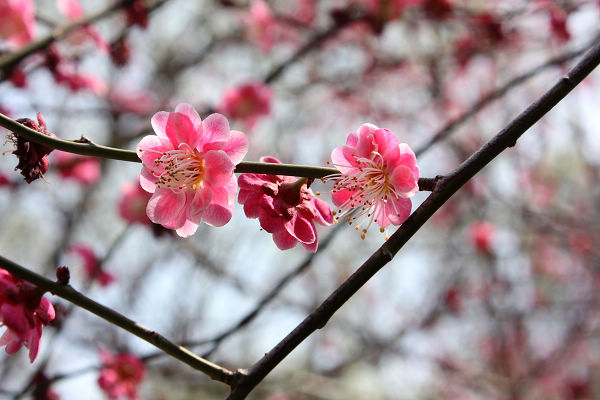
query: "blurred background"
494, 298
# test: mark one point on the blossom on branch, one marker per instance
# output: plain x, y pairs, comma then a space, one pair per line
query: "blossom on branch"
84, 169
121, 375
33, 161
188, 166
378, 175
24, 312
284, 206
17, 21
91, 264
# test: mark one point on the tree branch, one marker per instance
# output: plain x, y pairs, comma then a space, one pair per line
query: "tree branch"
244, 382
215, 371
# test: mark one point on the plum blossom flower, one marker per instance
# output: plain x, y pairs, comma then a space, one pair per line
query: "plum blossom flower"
284, 206
23, 311
91, 264
84, 169
17, 21
121, 375
247, 102
33, 160
378, 175
188, 166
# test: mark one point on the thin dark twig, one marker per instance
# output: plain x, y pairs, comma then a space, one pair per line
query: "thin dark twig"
215, 371
498, 93
244, 381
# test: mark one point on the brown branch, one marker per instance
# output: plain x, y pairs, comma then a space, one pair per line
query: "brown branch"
215, 371
244, 381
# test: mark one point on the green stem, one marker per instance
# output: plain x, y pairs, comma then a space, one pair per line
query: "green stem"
215, 371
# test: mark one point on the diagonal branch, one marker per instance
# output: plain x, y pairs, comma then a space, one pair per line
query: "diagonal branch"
244, 382
215, 371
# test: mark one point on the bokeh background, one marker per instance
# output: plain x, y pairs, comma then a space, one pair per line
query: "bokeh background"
494, 298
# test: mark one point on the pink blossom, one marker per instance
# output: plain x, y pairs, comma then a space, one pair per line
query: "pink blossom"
188, 166
261, 25
121, 375
284, 206
92, 264
481, 235
23, 311
17, 21
83, 169
66, 73
247, 102
378, 175
133, 202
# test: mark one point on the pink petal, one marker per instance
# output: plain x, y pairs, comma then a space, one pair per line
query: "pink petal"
301, 229
180, 129
237, 146
150, 148
339, 197
147, 181
312, 247
164, 206
323, 214
12, 341
403, 182
159, 123
187, 229
33, 342
13, 316
284, 240
218, 168
191, 113
215, 128
217, 215
201, 199
341, 160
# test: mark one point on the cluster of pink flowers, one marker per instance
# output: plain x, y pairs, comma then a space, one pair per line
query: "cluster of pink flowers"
24, 312
284, 206
188, 167
121, 375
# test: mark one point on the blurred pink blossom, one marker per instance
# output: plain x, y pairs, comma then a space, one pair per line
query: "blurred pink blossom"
188, 166
481, 236
66, 73
247, 102
121, 375
91, 264
133, 202
17, 21
261, 25
23, 311
284, 206
73, 11
378, 175
83, 169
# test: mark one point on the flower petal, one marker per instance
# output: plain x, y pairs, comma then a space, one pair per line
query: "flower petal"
218, 168
159, 123
237, 146
215, 128
180, 129
164, 206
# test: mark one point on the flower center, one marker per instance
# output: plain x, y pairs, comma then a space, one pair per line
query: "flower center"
183, 169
